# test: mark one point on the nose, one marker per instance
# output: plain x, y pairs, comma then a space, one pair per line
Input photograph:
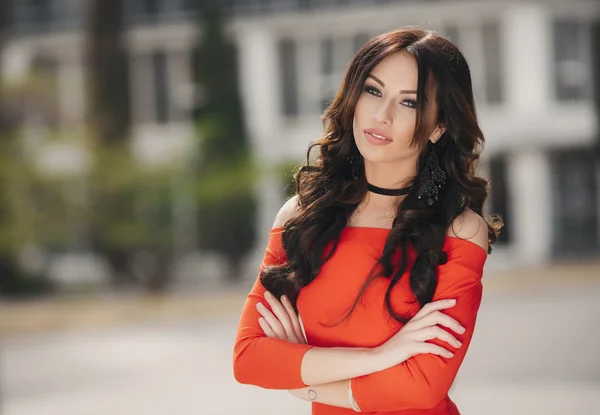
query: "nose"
383, 112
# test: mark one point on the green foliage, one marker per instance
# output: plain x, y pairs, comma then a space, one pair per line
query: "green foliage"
220, 119
287, 171
226, 176
18, 283
132, 205
227, 221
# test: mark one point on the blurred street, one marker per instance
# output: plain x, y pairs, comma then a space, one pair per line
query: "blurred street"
534, 352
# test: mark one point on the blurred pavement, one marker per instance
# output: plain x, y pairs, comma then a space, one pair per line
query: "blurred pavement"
535, 351
103, 310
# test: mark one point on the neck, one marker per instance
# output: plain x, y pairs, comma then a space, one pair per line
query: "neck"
390, 175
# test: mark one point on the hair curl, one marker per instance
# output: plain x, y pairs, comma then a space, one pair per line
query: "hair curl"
328, 194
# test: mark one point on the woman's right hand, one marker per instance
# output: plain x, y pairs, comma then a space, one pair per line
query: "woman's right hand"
412, 337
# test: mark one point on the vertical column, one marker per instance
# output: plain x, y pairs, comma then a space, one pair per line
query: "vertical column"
526, 34
142, 88
529, 179
261, 99
71, 91
527, 50
260, 89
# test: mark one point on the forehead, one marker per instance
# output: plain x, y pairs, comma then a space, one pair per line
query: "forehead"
398, 71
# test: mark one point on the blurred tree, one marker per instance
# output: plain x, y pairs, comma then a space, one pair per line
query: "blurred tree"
287, 172
5, 23
596, 78
17, 175
132, 222
19, 183
108, 72
216, 73
114, 230
5, 19
226, 203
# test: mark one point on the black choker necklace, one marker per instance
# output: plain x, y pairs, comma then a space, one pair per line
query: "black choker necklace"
388, 192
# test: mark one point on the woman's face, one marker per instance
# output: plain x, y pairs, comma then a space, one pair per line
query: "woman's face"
385, 114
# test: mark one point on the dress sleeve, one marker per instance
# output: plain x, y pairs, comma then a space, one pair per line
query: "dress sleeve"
423, 381
257, 359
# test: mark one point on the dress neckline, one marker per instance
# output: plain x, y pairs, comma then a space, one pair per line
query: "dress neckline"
386, 231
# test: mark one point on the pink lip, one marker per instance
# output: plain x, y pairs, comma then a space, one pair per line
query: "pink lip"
374, 140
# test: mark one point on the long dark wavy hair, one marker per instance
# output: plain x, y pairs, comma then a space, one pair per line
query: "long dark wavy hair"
329, 191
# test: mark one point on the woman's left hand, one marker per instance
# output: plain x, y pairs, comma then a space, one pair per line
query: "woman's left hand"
282, 322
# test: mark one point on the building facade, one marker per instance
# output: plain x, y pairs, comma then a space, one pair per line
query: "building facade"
531, 63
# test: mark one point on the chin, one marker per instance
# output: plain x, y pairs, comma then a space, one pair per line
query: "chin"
377, 154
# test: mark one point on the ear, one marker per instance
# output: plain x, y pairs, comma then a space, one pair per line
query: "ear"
437, 133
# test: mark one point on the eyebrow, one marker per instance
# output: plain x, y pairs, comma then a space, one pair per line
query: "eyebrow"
380, 82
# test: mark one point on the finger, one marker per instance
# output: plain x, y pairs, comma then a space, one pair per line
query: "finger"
293, 318
435, 306
272, 320
266, 328
440, 318
431, 348
282, 316
430, 333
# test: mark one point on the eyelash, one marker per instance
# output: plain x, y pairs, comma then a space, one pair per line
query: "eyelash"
375, 92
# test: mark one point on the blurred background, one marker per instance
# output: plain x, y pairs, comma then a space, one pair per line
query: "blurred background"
146, 146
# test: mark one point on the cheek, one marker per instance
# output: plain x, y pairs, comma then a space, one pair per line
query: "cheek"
361, 110
404, 125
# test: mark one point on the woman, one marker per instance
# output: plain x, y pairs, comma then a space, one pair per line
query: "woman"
381, 251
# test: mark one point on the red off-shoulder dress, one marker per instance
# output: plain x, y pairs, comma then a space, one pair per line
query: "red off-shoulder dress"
418, 386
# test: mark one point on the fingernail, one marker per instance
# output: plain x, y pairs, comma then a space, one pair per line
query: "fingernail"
462, 329
458, 344
452, 301
260, 305
268, 294
450, 354
284, 298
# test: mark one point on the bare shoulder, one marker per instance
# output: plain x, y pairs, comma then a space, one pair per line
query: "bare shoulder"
471, 227
289, 210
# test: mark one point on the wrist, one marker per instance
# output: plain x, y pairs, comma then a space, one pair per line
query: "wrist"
379, 358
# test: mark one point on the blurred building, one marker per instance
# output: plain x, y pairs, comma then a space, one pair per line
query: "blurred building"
531, 63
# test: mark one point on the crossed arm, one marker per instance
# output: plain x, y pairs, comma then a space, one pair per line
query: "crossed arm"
393, 376
419, 380
400, 374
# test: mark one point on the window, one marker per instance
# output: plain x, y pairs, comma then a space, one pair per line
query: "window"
492, 56
360, 40
144, 9
572, 60
327, 56
452, 34
149, 7
500, 197
161, 89
41, 11
32, 14
481, 45
575, 204
289, 77
336, 54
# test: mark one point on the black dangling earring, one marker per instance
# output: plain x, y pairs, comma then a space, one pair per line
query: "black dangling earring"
355, 161
432, 177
